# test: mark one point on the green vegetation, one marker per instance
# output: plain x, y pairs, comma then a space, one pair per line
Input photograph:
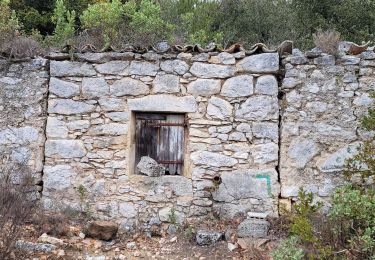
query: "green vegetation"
142, 23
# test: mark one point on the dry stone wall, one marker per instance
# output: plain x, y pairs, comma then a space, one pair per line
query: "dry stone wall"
325, 97
232, 111
23, 102
258, 128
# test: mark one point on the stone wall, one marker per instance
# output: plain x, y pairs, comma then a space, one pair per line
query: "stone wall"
231, 106
23, 101
324, 99
258, 128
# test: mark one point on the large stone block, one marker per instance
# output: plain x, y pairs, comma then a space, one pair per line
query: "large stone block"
63, 88
240, 86
219, 108
116, 67
257, 228
94, 87
65, 149
259, 108
22, 135
68, 107
71, 69
212, 159
302, 151
204, 87
266, 130
109, 129
265, 153
58, 177
260, 63
163, 103
175, 66
166, 84
143, 68
129, 87
267, 85
56, 128
336, 161
204, 70
112, 104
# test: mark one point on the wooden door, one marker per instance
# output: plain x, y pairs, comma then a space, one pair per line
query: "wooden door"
161, 137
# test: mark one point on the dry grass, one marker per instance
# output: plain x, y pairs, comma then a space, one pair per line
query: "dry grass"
328, 41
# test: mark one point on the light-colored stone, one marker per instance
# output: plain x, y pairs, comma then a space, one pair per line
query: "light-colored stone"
337, 160
266, 130
219, 108
175, 66
256, 228
164, 103
65, 149
68, 107
112, 104
260, 63
302, 151
115, 67
71, 68
56, 128
150, 167
239, 86
58, 177
267, 85
109, 129
208, 238
129, 87
204, 70
167, 83
259, 108
63, 88
23, 135
143, 68
212, 159
204, 87
94, 87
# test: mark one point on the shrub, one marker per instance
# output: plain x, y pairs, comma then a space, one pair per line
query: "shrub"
64, 24
288, 249
16, 205
353, 213
9, 25
328, 41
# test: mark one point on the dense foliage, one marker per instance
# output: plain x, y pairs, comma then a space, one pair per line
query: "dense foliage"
144, 22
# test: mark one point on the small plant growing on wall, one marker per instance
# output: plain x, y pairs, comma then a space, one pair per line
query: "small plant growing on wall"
84, 202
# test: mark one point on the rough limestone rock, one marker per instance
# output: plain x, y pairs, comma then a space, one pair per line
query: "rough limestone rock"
129, 87
150, 167
239, 86
109, 129
63, 88
212, 159
56, 128
68, 107
115, 67
267, 85
257, 228
44, 238
143, 68
58, 177
336, 161
169, 215
265, 153
219, 108
164, 103
174, 66
71, 69
65, 148
166, 84
112, 104
208, 238
260, 63
103, 230
204, 87
266, 130
94, 87
204, 70
302, 151
22, 135
259, 108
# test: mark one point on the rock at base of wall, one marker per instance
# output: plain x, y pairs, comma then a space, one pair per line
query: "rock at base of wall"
150, 167
103, 230
257, 228
208, 238
34, 247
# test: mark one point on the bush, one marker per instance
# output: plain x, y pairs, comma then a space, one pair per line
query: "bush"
288, 249
16, 205
328, 41
9, 25
64, 24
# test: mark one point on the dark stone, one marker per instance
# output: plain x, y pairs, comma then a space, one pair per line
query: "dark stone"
208, 238
103, 230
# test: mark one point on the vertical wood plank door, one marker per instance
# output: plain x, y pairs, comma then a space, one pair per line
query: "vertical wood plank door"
161, 137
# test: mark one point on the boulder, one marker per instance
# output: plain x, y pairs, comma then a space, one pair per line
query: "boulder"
208, 238
150, 167
257, 228
103, 230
